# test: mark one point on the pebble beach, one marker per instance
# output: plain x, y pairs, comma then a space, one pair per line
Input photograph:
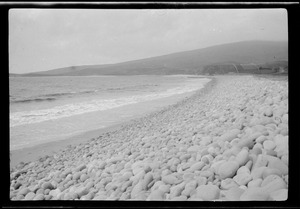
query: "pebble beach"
226, 142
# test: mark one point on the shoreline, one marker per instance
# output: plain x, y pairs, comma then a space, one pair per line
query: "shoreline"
29, 154
226, 142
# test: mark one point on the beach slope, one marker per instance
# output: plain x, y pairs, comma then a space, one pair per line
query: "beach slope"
228, 141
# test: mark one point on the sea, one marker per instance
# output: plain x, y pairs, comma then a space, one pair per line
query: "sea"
51, 108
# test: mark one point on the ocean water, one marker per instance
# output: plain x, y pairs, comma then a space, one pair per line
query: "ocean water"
44, 109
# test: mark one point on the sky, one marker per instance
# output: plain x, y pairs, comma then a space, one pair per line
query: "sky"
45, 39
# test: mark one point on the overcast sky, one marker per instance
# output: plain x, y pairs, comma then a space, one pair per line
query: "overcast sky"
45, 39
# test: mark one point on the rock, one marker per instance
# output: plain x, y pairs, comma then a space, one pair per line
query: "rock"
228, 169
216, 165
146, 181
258, 172
187, 176
81, 191
170, 179
83, 177
179, 198
242, 157
256, 150
234, 194
39, 197
269, 145
208, 192
285, 159
176, 190
29, 196
269, 179
17, 185
102, 165
197, 166
141, 196
254, 194
271, 153
275, 184
194, 148
206, 173
165, 188
279, 195
24, 191
230, 135
255, 183
261, 161
281, 145
249, 141
54, 193
189, 187
228, 183
116, 159
185, 157
201, 180
46, 191
232, 151
137, 189
156, 185
242, 179
156, 195
80, 167
274, 162
243, 169
47, 185
40, 191
268, 112
271, 171
261, 139
76, 176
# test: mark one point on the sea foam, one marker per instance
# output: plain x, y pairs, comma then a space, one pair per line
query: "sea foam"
37, 116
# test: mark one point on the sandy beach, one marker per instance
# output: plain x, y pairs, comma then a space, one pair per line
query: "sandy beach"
226, 142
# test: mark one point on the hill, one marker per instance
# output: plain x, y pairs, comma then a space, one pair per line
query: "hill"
187, 62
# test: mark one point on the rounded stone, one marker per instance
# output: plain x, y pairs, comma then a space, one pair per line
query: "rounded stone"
208, 192
255, 183
242, 179
24, 191
242, 157
76, 176
234, 194
243, 169
47, 185
39, 197
156, 195
273, 183
228, 169
269, 145
80, 167
271, 171
169, 179
29, 196
279, 195
254, 194
83, 177
276, 163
